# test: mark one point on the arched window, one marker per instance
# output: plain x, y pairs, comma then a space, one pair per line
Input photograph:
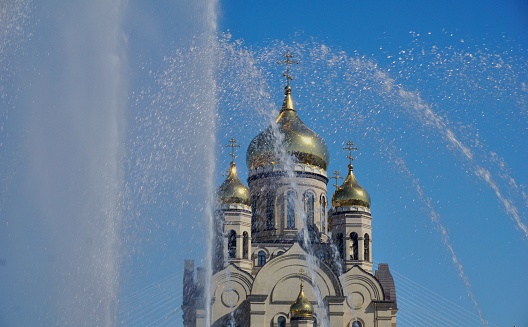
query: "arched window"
354, 246
281, 322
366, 245
245, 245
356, 324
231, 244
261, 258
270, 211
280, 252
339, 245
290, 210
323, 213
231, 323
315, 322
309, 209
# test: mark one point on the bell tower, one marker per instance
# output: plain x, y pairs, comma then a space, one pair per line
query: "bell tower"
351, 220
234, 216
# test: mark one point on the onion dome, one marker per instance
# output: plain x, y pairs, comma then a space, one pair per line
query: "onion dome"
301, 308
300, 142
232, 190
350, 193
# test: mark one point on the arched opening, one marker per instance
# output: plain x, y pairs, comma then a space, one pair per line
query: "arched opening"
230, 323
323, 213
315, 322
231, 244
353, 246
290, 210
356, 324
261, 258
245, 245
281, 322
270, 211
340, 245
366, 246
280, 252
309, 208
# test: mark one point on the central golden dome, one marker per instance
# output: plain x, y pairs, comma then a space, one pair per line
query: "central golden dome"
300, 142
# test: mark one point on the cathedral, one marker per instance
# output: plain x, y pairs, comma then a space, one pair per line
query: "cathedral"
282, 257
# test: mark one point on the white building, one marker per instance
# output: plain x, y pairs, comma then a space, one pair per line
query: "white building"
279, 234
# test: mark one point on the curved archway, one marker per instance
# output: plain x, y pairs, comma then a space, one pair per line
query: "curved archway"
366, 246
231, 244
261, 258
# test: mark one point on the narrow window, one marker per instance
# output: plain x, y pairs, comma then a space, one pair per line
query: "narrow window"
254, 224
280, 252
309, 198
315, 322
366, 246
356, 324
281, 322
231, 244
270, 211
231, 323
261, 258
339, 245
323, 214
354, 246
245, 245
290, 210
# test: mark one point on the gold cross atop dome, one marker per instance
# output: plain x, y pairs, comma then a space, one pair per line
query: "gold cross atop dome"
350, 147
288, 62
232, 144
337, 178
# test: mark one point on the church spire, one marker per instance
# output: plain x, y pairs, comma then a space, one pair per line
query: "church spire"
288, 102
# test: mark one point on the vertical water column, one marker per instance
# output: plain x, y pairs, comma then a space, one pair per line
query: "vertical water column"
63, 211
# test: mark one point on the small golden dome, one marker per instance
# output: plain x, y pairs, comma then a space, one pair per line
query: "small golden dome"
232, 190
300, 142
350, 193
301, 308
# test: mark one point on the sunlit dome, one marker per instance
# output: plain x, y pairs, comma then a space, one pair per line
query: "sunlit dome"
300, 142
301, 308
350, 193
232, 191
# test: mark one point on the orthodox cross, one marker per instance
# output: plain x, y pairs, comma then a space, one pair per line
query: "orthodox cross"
232, 144
288, 62
302, 272
350, 148
337, 178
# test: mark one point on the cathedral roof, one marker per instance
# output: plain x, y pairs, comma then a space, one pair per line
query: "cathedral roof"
232, 190
350, 193
299, 142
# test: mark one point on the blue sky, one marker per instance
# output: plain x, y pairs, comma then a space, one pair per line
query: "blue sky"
484, 237
107, 147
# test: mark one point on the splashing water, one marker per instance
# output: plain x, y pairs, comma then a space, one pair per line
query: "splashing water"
62, 217
211, 88
345, 86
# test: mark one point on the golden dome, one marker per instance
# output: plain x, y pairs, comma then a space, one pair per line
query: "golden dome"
300, 142
350, 193
301, 308
232, 190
